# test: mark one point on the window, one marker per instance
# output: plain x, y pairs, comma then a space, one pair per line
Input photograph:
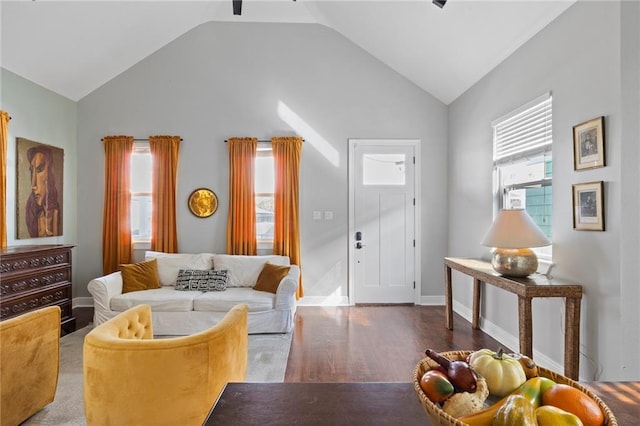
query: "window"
141, 192
522, 163
383, 169
264, 193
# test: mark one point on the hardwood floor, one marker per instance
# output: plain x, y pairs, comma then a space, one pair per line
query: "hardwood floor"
372, 343
365, 343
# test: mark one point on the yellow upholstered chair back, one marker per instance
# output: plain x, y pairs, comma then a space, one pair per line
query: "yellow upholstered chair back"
130, 378
29, 363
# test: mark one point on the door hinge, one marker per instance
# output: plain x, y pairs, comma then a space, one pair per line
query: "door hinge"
414, 243
414, 201
414, 285
414, 159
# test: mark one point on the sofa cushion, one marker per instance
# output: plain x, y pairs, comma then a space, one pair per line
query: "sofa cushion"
222, 301
169, 264
161, 299
203, 280
270, 277
139, 276
244, 270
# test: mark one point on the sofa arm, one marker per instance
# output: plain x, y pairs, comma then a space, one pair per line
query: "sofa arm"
103, 289
286, 293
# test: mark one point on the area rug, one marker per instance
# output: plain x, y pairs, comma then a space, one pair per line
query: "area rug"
268, 355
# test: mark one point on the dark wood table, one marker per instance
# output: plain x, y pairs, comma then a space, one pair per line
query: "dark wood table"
526, 289
359, 404
323, 404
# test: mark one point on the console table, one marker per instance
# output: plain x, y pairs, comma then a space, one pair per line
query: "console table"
527, 288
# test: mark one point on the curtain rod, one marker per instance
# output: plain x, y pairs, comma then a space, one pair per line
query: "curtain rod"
139, 139
262, 140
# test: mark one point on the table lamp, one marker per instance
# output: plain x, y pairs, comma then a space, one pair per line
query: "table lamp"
513, 233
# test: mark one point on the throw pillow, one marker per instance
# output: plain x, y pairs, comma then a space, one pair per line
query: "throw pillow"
202, 280
170, 263
270, 277
244, 270
140, 276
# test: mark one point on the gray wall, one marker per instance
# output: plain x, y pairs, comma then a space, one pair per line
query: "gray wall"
43, 116
578, 59
227, 79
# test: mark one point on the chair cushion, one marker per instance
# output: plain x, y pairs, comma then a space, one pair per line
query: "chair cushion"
244, 270
139, 276
161, 299
222, 301
270, 277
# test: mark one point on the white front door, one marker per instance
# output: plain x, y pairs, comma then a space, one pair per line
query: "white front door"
382, 221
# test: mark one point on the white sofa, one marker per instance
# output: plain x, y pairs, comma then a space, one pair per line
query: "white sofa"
179, 312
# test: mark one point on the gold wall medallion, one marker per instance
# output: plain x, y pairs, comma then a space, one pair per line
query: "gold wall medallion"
203, 202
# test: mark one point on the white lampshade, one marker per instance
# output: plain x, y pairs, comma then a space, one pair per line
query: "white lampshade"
514, 229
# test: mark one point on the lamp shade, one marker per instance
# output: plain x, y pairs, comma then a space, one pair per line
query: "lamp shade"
514, 229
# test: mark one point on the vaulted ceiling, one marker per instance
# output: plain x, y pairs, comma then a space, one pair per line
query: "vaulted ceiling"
73, 47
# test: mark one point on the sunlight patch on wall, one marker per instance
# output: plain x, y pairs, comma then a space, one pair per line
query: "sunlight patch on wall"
309, 134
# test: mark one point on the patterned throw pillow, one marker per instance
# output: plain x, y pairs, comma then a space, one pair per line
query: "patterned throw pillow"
202, 279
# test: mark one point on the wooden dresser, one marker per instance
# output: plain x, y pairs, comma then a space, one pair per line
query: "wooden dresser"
35, 276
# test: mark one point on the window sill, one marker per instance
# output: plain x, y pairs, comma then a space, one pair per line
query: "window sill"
265, 247
141, 245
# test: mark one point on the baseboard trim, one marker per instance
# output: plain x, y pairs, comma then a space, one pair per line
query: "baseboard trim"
324, 301
505, 337
82, 302
432, 300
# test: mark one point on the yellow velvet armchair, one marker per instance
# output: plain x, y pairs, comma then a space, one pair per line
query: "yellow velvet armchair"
130, 378
29, 363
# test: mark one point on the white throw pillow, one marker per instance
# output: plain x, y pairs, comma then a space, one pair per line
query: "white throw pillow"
169, 264
244, 270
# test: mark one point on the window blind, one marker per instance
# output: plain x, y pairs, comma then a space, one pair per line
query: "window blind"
523, 132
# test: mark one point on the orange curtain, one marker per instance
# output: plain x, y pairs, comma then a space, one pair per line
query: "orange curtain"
4, 134
164, 151
241, 223
116, 226
286, 238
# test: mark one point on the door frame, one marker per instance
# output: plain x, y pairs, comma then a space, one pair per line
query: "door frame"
415, 143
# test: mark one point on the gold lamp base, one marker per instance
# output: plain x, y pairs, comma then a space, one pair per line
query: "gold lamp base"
514, 262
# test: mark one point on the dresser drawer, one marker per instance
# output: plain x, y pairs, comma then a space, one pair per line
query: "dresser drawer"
55, 295
16, 285
22, 263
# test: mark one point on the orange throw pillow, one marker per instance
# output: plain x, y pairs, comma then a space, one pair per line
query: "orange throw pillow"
140, 276
270, 277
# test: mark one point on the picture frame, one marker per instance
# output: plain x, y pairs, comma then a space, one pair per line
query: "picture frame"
589, 144
203, 202
39, 189
588, 206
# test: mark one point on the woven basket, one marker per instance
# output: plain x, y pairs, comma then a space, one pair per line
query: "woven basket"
440, 418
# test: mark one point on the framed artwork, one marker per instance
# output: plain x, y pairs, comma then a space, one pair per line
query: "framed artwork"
203, 202
588, 206
588, 144
39, 194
